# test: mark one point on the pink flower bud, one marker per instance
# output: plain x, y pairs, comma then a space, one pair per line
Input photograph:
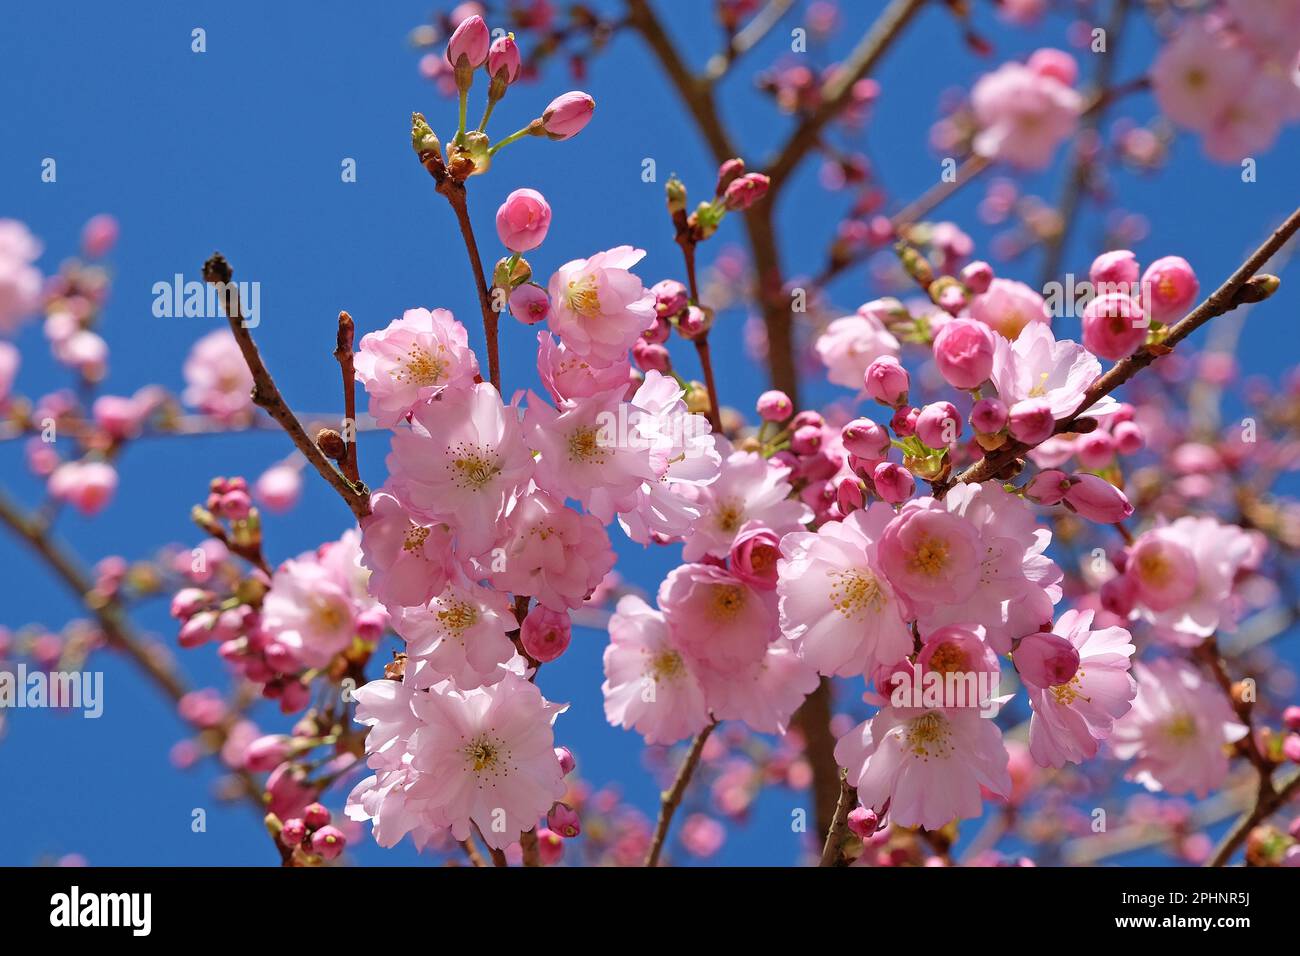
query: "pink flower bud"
952, 299
280, 659
729, 172
849, 495
650, 357
545, 633
693, 323
87, 485
279, 487
887, 381
119, 417
1045, 659
236, 504
523, 220
294, 697
1169, 287
977, 277
1128, 438
1048, 487
1291, 750
1031, 421
1118, 595
894, 483
963, 352
98, 236
315, 815
1115, 271
904, 422
670, 297
372, 623
328, 842
754, 554
1291, 718
745, 191
1095, 450
565, 757
806, 440
471, 41
660, 332
988, 416
266, 753
1097, 499
568, 114
1113, 326
774, 406
865, 439
939, 425
550, 846
563, 819
1056, 64
293, 832
863, 822
197, 630
529, 303
808, 417
503, 54
189, 601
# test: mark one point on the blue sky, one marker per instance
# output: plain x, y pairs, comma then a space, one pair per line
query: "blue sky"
240, 148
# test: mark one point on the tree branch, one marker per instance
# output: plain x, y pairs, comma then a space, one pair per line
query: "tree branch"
267, 395
1223, 299
672, 799
347, 366
839, 824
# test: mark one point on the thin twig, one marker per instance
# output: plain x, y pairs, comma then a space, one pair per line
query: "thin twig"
1264, 808
347, 366
746, 39
528, 844
1223, 299
839, 825
472, 852
455, 193
267, 395
672, 798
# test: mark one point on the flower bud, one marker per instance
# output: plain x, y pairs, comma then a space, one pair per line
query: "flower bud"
567, 114
988, 416
523, 220
1097, 499
963, 352
754, 554
1113, 326
315, 815
550, 846
1169, 287
1045, 659
745, 191
266, 753
529, 303
865, 439
729, 172
863, 822
545, 633
563, 819
471, 41
904, 422
1128, 438
887, 381
1048, 487
293, 832
1115, 271
894, 483
977, 276
328, 842
806, 440
670, 297
503, 55
774, 406
1095, 450
939, 425
1031, 421
565, 757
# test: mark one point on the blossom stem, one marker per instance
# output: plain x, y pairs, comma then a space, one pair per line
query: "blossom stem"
487, 114
343, 353
528, 844
1222, 300
1264, 807
517, 134
456, 195
267, 395
672, 798
460, 118
839, 824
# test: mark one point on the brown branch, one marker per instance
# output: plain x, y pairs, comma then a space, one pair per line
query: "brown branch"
472, 852
1224, 299
1265, 807
111, 618
267, 395
343, 354
837, 90
839, 824
528, 844
672, 798
455, 193
746, 39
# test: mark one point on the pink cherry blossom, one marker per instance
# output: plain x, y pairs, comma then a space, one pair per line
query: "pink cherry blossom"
598, 307
963, 352
460, 635
850, 344
1036, 365
461, 462
1074, 714
217, 380
926, 766
523, 220
650, 685
412, 360
409, 561
1008, 307
1023, 114
837, 606
748, 488
1114, 325
1177, 730
716, 618
552, 553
